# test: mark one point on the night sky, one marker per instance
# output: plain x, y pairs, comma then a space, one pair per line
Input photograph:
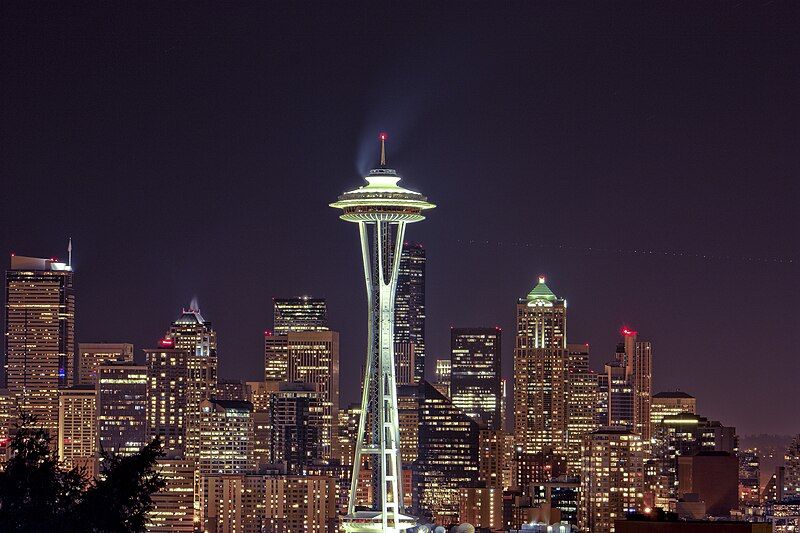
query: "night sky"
192, 150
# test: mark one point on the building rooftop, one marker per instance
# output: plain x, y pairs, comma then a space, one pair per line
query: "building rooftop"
673, 394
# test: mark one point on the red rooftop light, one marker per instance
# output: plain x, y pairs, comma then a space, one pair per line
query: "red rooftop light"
382, 136
166, 343
629, 332
268, 333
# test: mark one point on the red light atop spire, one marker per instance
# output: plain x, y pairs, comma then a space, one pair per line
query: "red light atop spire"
628, 332
382, 136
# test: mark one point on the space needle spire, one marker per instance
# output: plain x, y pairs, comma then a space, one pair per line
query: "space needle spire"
381, 208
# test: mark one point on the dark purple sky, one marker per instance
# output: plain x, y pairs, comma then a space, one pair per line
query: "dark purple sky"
192, 150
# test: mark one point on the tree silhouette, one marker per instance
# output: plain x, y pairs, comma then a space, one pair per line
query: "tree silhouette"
36, 495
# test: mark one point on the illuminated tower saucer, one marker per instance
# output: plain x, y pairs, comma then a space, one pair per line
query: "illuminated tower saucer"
381, 208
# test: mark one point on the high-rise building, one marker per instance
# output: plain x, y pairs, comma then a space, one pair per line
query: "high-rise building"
195, 335
409, 307
167, 394
792, 460
77, 428
671, 403
612, 483
491, 457
231, 389
226, 437
7, 414
684, 435
300, 314
749, 478
448, 456
714, 477
475, 374
313, 357
405, 361
580, 385
382, 209
122, 407
347, 433
173, 505
616, 397
638, 361
274, 503
539, 366
296, 421
276, 357
40, 335
91, 355
482, 507
442, 376
259, 393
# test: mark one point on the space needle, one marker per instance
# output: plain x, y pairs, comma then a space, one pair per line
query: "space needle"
381, 208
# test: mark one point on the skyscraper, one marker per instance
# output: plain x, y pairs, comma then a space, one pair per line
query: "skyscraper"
442, 376
167, 374
313, 357
792, 479
122, 407
539, 365
296, 421
77, 428
637, 356
91, 355
475, 374
302, 313
381, 209
448, 456
276, 357
409, 310
40, 335
194, 334
581, 400
226, 437
671, 403
612, 481
173, 505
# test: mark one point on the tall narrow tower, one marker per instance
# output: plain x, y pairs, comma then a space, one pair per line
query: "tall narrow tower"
381, 209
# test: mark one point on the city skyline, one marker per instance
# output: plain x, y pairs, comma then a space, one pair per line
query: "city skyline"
604, 160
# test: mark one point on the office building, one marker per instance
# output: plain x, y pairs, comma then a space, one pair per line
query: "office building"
749, 478
226, 437
195, 335
409, 307
539, 359
482, 507
616, 397
167, 394
77, 428
442, 376
671, 403
173, 505
637, 357
299, 314
273, 503
313, 357
792, 461
297, 424
91, 355
713, 477
231, 389
40, 335
612, 484
405, 363
580, 385
475, 374
491, 457
562, 493
347, 433
684, 435
276, 357
122, 407
448, 456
